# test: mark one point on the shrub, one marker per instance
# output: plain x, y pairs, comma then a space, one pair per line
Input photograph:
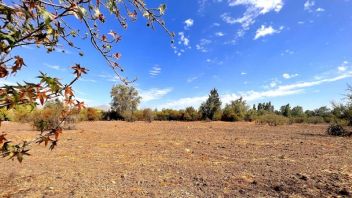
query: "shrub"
51, 116
298, 119
315, 120
148, 115
22, 113
5, 115
90, 114
250, 116
337, 130
190, 114
272, 119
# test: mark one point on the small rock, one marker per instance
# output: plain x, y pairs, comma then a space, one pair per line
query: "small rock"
112, 181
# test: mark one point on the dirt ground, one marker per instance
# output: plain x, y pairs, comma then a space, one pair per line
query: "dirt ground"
180, 159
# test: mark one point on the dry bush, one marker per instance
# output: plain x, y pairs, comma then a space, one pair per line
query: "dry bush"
90, 114
272, 119
148, 115
337, 130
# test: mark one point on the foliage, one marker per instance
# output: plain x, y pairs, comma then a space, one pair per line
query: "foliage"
51, 25
272, 119
297, 111
22, 113
285, 110
264, 108
125, 100
148, 115
211, 105
250, 115
235, 111
315, 120
190, 114
90, 114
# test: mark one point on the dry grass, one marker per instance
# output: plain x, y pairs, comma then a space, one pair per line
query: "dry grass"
180, 159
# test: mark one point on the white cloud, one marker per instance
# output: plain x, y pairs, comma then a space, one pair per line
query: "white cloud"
202, 46
191, 79
184, 102
343, 67
153, 94
309, 4
288, 76
243, 73
263, 6
254, 8
266, 31
188, 23
155, 71
183, 39
320, 10
276, 91
219, 34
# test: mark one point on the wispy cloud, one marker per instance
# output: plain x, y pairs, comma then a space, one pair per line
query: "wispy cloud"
219, 34
266, 31
310, 5
289, 76
202, 45
254, 8
153, 94
275, 91
55, 67
155, 71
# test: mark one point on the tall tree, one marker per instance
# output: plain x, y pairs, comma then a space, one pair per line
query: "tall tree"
211, 105
285, 110
125, 100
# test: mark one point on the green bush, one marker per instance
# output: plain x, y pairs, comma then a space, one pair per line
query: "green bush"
298, 119
23, 113
190, 114
272, 119
315, 120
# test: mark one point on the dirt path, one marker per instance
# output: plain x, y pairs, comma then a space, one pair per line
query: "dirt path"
179, 159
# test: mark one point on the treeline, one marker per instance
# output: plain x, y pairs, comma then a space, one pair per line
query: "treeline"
237, 110
125, 101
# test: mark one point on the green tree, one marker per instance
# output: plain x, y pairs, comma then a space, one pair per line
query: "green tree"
211, 105
235, 111
285, 110
297, 111
125, 100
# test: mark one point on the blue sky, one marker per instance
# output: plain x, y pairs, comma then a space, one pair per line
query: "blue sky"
284, 51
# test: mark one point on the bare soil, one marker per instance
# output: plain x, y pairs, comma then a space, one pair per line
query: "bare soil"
180, 159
